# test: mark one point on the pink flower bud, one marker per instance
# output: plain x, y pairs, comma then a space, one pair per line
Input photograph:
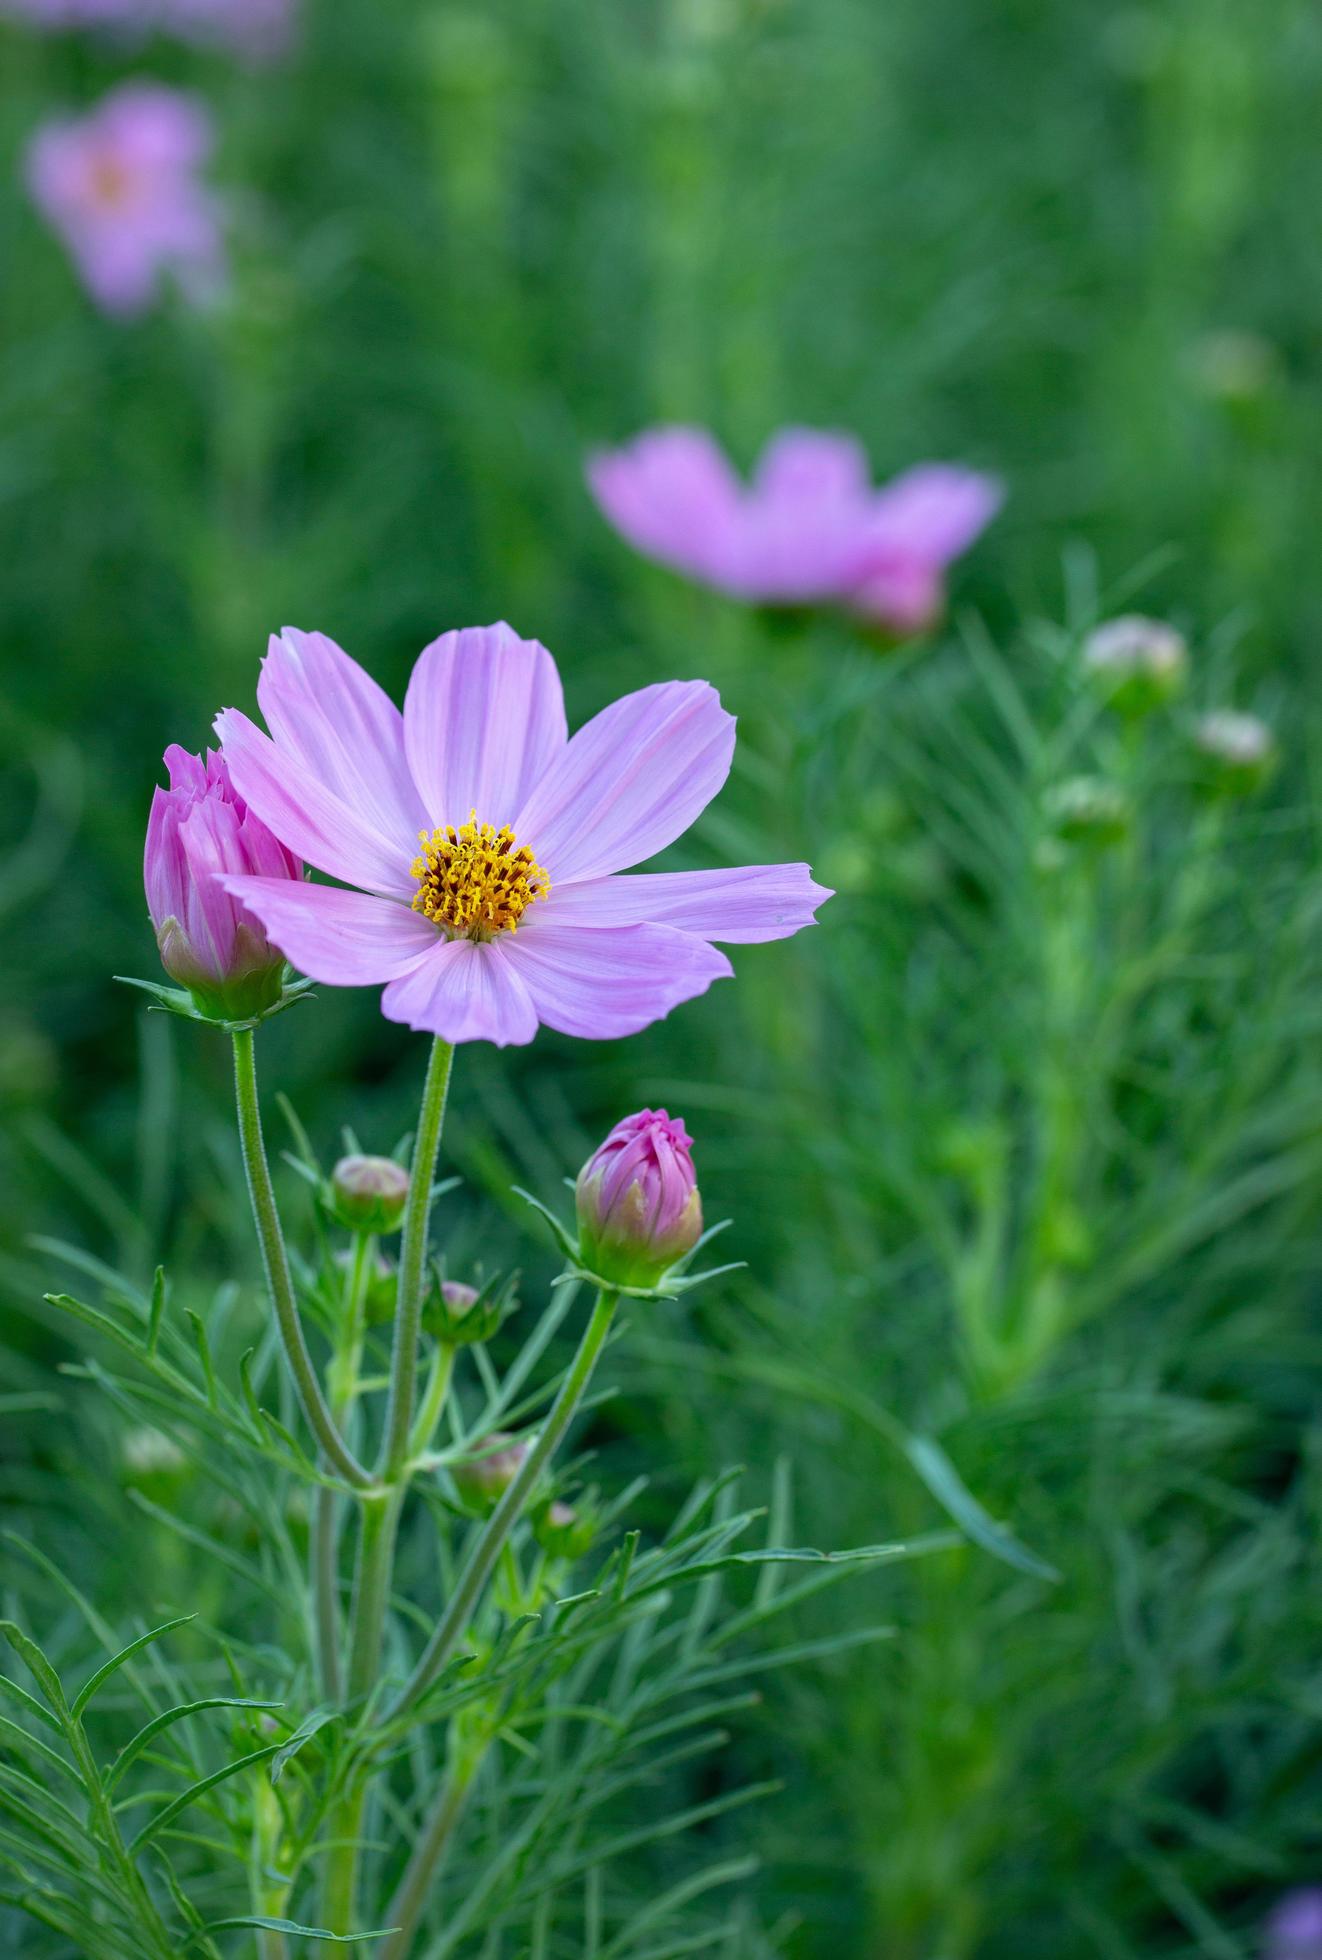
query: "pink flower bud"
209, 942
369, 1193
638, 1204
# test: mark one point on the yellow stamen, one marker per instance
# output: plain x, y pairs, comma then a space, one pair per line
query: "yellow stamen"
476, 880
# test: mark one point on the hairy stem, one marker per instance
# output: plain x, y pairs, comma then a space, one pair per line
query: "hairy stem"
276, 1261
324, 1549
482, 1560
405, 1909
413, 1260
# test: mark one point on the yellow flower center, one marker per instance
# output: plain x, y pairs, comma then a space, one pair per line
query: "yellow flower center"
476, 881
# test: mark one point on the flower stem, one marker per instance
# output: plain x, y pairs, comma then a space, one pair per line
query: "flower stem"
482, 1560
276, 1262
342, 1381
405, 1909
412, 1262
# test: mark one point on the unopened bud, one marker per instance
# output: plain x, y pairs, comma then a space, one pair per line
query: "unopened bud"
639, 1210
368, 1194
1087, 810
482, 1480
461, 1316
562, 1532
1141, 663
1237, 751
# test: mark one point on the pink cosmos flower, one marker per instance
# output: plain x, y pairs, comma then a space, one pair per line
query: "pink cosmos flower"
486, 843
808, 530
259, 28
122, 188
209, 942
637, 1199
1294, 1931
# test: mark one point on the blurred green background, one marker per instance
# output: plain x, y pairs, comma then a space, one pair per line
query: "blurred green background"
1024, 1149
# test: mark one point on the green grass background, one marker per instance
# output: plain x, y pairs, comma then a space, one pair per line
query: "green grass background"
1025, 1159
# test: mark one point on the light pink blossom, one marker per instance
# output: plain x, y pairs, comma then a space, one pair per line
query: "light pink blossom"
256, 28
208, 940
486, 844
809, 529
123, 189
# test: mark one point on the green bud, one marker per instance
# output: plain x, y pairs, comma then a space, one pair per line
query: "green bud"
1236, 752
368, 1194
562, 1532
1087, 810
483, 1478
1139, 664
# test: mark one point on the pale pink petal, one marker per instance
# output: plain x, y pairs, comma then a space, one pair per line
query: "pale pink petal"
484, 719
465, 990
292, 801
807, 464
672, 493
323, 708
604, 981
741, 906
630, 782
932, 513
907, 596
343, 939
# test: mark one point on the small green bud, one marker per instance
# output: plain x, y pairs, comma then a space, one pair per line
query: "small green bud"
368, 1194
482, 1479
1140, 664
1237, 752
460, 1315
562, 1532
1087, 810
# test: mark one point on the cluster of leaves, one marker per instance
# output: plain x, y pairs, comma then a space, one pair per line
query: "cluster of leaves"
194, 1774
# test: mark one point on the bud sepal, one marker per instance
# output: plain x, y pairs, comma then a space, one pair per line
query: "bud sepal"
178, 1000
676, 1280
463, 1316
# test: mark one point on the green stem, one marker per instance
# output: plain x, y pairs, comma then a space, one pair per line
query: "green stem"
482, 1560
405, 1909
433, 1401
276, 1262
342, 1381
412, 1262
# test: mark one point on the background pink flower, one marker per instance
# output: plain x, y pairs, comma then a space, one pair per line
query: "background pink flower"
808, 529
123, 189
253, 27
513, 913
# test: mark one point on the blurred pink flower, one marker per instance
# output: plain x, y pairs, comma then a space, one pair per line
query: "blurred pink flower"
1294, 1931
254, 27
208, 941
511, 914
808, 530
122, 187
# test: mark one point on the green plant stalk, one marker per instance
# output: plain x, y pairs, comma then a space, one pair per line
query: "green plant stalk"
482, 1560
276, 1262
406, 1906
412, 1262
379, 1512
342, 1382
433, 1400
270, 1894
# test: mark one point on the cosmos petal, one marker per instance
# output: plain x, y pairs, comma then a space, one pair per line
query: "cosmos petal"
307, 815
632, 780
465, 990
484, 719
323, 708
604, 981
343, 939
741, 906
